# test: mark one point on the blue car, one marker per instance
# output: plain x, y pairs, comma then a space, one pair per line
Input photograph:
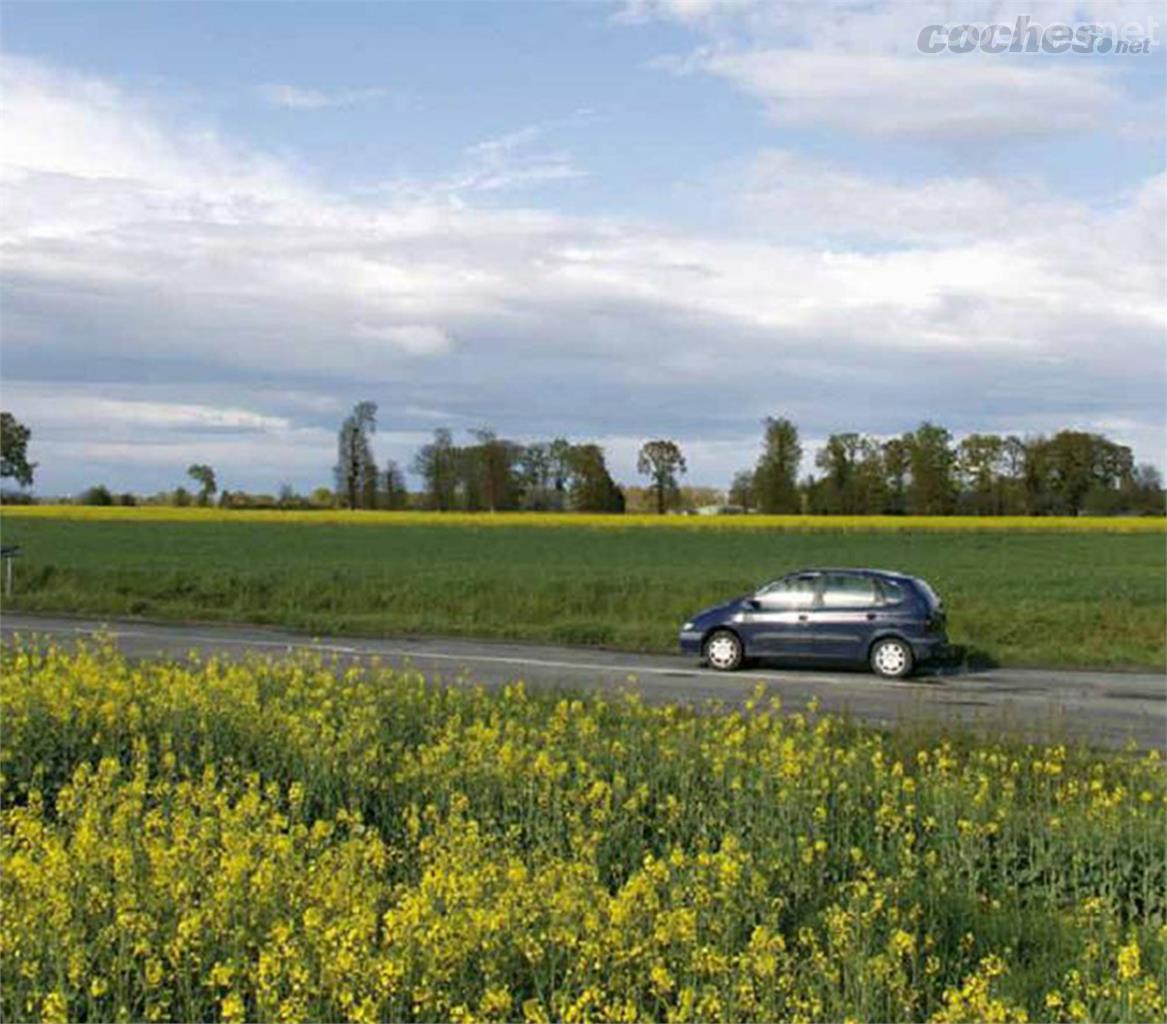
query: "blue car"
887, 620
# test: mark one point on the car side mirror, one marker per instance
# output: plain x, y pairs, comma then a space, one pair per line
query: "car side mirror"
753, 602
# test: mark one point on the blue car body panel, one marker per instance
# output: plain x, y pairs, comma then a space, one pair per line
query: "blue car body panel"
832, 628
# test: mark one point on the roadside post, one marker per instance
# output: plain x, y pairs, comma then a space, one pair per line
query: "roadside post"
8, 553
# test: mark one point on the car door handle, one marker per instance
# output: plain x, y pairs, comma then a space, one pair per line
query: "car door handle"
871, 616
803, 618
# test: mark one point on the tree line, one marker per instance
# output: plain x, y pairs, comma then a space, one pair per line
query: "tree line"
927, 472
491, 474
921, 472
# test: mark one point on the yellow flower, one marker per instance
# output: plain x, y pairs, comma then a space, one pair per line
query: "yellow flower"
231, 1008
901, 943
54, 1009
1129, 964
734, 524
662, 981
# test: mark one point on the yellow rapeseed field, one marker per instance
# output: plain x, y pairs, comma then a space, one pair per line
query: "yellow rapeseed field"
297, 840
195, 514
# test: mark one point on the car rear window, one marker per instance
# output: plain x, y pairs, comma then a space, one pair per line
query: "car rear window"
930, 595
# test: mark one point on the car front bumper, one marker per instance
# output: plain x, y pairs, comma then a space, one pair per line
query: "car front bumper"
691, 641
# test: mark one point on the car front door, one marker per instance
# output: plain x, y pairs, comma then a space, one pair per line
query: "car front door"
845, 617
775, 622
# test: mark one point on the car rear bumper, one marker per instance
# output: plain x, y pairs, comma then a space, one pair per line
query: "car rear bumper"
930, 648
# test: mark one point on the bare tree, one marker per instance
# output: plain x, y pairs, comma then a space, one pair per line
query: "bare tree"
395, 492
356, 472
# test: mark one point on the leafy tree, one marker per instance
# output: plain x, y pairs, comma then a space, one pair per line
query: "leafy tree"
14, 438
1076, 463
592, 488
534, 476
204, 476
741, 491
894, 453
931, 462
839, 458
493, 465
356, 472
1035, 472
775, 479
980, 463
662, 460
559, 456
1143, 491
98, 494
871, 483
180, 497
468, 459
437, 465
1013, 456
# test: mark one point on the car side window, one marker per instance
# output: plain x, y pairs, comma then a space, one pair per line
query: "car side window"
893, 593
850, 592
792, 592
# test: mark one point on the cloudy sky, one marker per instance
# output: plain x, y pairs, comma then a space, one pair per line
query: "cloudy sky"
223, 225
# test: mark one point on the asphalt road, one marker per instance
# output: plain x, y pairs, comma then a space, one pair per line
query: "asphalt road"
1102, 708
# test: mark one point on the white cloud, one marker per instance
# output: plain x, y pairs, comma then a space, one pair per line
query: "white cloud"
89, 412
513, 160
914, 96
855, 67
62, 129
781, 194
293, 97
136, 251
415, 339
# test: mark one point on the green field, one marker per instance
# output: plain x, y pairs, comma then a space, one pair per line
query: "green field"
1088, 599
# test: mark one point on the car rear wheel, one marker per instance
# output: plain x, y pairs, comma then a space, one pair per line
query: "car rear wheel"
723, 650
892, 658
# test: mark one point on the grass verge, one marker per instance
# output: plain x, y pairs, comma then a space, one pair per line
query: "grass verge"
1039, 598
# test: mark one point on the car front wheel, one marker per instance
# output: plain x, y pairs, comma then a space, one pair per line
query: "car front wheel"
892, 658
723, 650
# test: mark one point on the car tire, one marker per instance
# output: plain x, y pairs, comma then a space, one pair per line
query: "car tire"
723, 650
892, 658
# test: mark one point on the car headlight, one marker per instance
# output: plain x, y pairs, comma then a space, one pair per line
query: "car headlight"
687, 626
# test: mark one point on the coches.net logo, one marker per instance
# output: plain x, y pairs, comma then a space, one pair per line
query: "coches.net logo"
1027, 36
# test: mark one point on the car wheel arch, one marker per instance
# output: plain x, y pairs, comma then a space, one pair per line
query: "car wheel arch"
888, 634
723, 628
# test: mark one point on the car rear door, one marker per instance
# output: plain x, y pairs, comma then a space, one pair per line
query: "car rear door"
845, 617
777, 622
